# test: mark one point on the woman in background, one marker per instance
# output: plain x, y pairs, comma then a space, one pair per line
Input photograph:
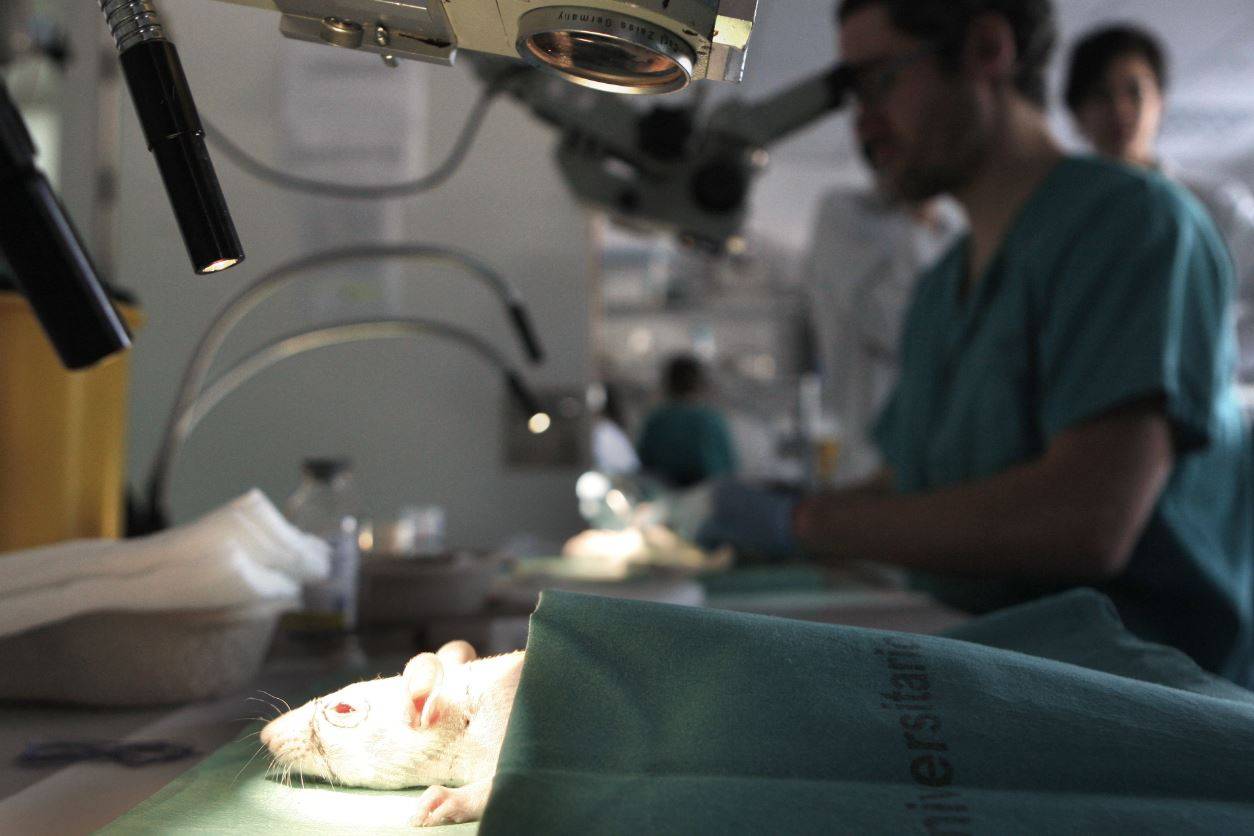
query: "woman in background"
1115, 91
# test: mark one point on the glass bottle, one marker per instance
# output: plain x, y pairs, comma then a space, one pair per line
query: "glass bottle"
326, 505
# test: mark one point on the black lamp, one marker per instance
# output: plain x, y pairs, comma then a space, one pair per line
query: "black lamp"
174, 134
50, 265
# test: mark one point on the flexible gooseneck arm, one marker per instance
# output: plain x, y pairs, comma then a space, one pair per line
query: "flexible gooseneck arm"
340, 333
270, 283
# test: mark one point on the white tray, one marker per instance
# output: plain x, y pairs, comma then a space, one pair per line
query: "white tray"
138, 658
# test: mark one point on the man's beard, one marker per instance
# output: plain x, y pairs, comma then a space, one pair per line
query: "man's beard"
956, 145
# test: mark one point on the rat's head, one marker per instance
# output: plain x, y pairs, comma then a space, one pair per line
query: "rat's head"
384, 733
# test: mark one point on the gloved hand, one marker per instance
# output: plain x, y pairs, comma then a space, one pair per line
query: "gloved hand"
756, 522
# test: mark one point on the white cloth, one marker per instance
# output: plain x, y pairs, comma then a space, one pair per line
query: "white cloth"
1230, 204
242, 553
864, 260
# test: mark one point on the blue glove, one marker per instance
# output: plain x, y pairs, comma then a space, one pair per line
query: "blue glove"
757, 523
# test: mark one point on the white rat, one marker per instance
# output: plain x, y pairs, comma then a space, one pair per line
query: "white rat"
440, 724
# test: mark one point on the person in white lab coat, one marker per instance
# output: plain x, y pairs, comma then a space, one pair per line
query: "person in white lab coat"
866, 253
612, 451
1115, 90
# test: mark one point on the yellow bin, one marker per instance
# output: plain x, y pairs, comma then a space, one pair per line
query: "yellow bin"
62, 436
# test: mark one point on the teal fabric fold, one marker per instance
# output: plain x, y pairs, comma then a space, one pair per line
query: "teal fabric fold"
1082, 627
634, 717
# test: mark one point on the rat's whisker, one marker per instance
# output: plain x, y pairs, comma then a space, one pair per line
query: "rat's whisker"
277, 710
246, 763
280, 699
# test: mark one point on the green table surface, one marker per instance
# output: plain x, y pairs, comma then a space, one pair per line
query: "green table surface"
222, 795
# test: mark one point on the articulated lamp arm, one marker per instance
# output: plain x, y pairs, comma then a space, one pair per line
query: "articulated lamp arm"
185, 421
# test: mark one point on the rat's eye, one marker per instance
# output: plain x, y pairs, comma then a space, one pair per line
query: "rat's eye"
346, 715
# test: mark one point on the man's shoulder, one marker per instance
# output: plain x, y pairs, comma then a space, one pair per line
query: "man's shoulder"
1106, 202
1091, 182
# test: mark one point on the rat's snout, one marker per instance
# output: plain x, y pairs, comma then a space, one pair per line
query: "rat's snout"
285, 729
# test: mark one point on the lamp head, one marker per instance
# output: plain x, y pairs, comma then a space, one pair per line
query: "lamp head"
50, 265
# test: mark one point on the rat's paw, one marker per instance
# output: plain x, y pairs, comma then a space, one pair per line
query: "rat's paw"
441, 805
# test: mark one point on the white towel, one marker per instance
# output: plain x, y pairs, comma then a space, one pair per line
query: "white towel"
242, 553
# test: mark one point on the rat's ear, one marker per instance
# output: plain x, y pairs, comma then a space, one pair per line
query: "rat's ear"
422, 677
456, 652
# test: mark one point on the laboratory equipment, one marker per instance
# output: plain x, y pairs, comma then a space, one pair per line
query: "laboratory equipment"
664, 167
185, 419
51, 266
326, 504
127, 753
417, 530
50, 262
657, 46
409, 591
172, 129
194, 377
669, 167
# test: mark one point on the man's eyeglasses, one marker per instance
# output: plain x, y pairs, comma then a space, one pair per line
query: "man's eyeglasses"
871, 81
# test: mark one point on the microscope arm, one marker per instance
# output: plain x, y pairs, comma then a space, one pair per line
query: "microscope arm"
602, 123
763, 123
678, 174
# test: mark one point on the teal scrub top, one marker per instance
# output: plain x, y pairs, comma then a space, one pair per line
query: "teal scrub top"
686, 443
1111, 286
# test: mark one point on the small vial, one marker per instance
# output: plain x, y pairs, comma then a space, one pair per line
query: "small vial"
326, 505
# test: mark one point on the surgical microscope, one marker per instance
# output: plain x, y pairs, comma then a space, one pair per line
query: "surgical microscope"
665, 166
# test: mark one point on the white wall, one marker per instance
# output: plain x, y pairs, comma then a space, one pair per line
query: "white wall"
421, 420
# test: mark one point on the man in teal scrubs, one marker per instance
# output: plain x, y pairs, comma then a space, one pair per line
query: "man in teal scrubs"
1065, 414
